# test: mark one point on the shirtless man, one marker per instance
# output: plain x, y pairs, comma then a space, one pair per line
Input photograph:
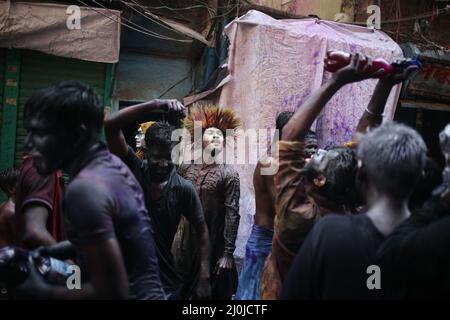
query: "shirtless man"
259, 244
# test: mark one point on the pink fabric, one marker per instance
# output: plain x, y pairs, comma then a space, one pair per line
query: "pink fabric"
276, 64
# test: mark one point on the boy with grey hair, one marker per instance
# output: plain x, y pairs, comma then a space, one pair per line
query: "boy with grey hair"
335, 257
414, 259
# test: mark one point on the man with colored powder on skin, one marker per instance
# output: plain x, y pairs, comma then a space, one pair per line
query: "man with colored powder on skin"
39, 218
259, 244
107, 221
167, 195
309, 188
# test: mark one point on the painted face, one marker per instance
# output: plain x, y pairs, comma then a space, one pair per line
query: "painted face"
311, 148
160, 163
45, 145
311, 145
213, 138
319, 161
140, 138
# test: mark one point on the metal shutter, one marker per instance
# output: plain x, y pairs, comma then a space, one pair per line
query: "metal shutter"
39, 70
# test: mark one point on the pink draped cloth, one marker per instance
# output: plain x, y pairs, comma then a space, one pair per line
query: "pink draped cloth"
276, 64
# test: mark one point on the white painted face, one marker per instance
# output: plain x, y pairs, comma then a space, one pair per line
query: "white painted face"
214, 137
140, 138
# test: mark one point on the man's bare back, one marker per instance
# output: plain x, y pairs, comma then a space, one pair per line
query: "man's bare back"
264, 195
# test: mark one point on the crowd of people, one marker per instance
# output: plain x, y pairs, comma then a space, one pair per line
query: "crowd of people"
142, 226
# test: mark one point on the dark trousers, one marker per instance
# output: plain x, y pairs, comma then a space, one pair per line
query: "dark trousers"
223, 286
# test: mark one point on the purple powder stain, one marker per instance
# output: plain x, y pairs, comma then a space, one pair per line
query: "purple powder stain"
316, 54
295, 101
341, 127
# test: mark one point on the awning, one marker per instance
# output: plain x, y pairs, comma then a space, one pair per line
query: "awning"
432, 82
43, 27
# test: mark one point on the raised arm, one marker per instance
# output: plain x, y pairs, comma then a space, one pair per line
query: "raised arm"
134, 115
302, 120
373, 115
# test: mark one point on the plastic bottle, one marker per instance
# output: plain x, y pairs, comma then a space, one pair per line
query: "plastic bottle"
336, 60
15, 264
53, 270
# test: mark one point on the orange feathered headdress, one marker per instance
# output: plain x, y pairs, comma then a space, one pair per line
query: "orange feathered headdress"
211, 116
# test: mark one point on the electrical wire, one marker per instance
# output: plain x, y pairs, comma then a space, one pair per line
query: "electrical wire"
226, 13
441, 12
141, 30
209, 9
430, 42
176, 13
145, 14
148, 17
138, 26
178, 9
174, 85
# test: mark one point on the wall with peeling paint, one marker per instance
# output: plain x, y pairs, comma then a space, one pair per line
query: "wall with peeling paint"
145, 77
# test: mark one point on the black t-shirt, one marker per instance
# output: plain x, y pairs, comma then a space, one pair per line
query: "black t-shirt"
179, 198
415, 258
105, 201
332, 262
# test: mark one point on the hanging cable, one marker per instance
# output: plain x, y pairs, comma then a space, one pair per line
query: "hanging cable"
175, 12
152, 19
135, 24
143, 30
198, 6
173, 86
145, 15
203, 6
